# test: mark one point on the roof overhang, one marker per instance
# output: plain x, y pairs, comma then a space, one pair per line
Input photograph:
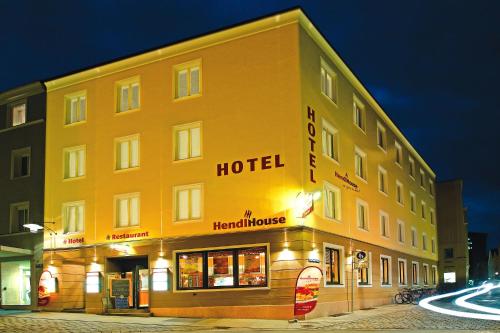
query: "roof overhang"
9, 251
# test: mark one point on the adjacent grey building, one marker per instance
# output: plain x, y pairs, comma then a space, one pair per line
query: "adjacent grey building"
22, 165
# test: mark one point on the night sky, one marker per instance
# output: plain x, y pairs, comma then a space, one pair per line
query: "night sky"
434, 66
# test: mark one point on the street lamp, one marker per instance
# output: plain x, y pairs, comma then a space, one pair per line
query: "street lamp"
35, 227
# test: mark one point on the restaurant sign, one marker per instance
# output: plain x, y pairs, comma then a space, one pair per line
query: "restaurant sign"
307, 290
248, 222
348, 184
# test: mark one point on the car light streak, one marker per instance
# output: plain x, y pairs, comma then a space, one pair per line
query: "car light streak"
462, 301
425, 303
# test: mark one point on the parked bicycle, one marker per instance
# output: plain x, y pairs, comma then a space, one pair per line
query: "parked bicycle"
413, 295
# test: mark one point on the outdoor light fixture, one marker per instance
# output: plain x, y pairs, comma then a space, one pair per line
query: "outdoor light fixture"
121, 247
34, 227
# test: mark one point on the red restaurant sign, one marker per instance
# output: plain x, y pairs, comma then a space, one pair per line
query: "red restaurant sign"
307, 290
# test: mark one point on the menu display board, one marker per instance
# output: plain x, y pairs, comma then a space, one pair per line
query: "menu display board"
120, 287
307, 290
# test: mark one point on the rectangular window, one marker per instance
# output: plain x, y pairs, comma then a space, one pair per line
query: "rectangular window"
362, 214
187, 141
382, 180
424, 242
360, 163
333, 266
188, 202
330, 141
188, 79
412, 167
422, 210
332, 201
381, 136
384, 224
399, 154
19, 216
128, 92
127, 210
159, 278
399, 193
73, 214
433, 245
20, 162
401, 232
359, 113
426, 274
413, 237
422, 179
431, 187
413, 203
226, 268
414, 273
75, 108
432, 216
448, 253
18, 114
434, 275
74, 162
402, 272
385, 270
364, 271
127, 152
328, 82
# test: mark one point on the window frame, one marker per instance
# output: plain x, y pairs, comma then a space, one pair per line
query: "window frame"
361, 106
422, 179
338, 202
205, 251
117, 148
432, 216
364, 164
64, 216
381, 134
19, 152
68, 150
434, 275
424, 242
330, 129
423, 210
369, 274
128, 82
401, 192
128, 196
402, 239
433, 245
189, 187
412, 170
341, 266
413, 203
425, 268
387, 229
414, 238
383, 180
182, 127
67, 100
328, 71
405, 272
14, 206
188, 66
366, 223
389, 271
11, 106
417, 271
398, 148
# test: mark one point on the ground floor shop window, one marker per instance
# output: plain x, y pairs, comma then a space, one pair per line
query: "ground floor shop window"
227, 268
385, 270
16, 282
364, 270
402, 271
426, 274
332, 266
414, 271
434, 275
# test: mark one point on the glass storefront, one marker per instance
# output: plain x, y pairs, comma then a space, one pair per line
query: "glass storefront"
16, 282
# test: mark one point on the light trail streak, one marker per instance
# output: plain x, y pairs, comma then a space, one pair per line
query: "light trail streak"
462, 301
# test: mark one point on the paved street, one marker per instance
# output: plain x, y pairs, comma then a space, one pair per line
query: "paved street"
408, 318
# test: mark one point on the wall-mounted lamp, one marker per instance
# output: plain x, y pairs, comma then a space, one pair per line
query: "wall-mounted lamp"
35, 227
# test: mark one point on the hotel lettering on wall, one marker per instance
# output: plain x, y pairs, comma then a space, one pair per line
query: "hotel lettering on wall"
251, 164
311, 131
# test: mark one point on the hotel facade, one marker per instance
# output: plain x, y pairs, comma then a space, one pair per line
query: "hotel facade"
200, 178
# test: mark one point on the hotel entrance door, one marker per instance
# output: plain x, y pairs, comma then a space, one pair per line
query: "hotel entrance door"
128, 282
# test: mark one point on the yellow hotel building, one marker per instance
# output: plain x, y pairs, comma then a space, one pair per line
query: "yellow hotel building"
198, 179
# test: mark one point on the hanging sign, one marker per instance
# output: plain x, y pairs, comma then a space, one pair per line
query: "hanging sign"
307, 290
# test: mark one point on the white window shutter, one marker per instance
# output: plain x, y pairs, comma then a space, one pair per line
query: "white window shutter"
183, 205
195, 203
195, 81
182, 83
134, 160
195, 142
182, 144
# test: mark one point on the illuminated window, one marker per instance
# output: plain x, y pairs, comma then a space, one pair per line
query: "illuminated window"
73, 216
413, 237
385, 270
365, 271
360, 163
333, 265
75, 108
422, 179
422, 209
382, 180
450, 277
127, 152
332, 201
188, 202
381, 136
402, 271
415, 273
20, 162
18, 114
399, 193
362, 214
413, 203
127, 207
401, 231
216, 269
159, 279
399, 154
187, 141
384, 224
93, 282
128, 92
412, 167
426, 274
424, 242
328, 82
188, 79
19, 216
74, 162
359, 114
434, 275
330, 141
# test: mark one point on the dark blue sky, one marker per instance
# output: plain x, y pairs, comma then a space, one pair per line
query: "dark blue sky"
434, 66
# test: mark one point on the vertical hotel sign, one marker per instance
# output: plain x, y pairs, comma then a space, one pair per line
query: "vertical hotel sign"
311, 131
307, 290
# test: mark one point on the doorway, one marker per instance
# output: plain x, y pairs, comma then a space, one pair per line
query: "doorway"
128, 282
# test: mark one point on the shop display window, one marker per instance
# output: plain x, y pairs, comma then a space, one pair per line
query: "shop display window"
227, 268
160, 279
93, 282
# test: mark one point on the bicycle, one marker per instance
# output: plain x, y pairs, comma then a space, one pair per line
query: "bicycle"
404, 296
